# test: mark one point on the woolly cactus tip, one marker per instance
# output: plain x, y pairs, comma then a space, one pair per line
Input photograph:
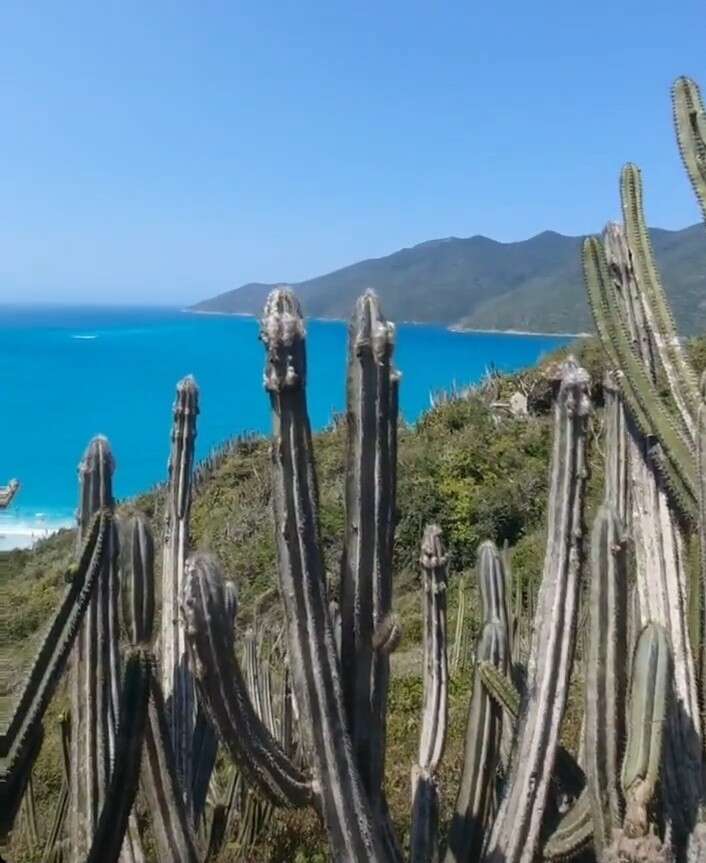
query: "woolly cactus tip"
433, 552
685, 87
98, 456
282, 332
370, 328
187, 396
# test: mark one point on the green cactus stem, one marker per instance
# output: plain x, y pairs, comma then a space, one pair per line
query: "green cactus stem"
690, 123
616, 483
469, 825
650, 696
641, 397
223, 692
606, 679
515, 833
425, 796
115, 811
177, 685
658, 315
352, 830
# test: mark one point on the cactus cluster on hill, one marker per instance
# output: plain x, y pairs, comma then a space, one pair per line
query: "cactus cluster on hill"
302, 712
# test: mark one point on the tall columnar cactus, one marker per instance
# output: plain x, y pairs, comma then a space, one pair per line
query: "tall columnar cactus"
690, 122
606, 675
366, 569
95, 670
471, 818
425, 796
177, 684
352, 830
515, 833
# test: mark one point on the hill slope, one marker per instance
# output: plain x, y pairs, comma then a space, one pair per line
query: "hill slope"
535, 284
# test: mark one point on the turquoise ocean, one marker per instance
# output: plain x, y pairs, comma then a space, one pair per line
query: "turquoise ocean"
67, 374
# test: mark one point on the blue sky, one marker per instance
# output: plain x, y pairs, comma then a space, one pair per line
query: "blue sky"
161, 152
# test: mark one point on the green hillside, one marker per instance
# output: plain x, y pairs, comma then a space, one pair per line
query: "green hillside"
533, 285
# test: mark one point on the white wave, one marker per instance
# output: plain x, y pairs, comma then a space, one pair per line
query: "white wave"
85, 338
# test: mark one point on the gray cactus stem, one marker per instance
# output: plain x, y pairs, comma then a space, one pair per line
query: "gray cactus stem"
701, 479
171, 826
606, 679
95, 663
138, 581
515, 833
616, 485
177, 685
366, 577
223, 692
115, 812
352, 830
469, 826
425, 802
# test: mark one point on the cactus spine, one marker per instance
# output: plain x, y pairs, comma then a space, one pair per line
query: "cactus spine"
690, 123
515, 833
177, 684
425, 802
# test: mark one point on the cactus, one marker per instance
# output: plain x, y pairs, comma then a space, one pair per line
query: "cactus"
515, 833
690, 123
8, 492
425, 796
366, 567
115, 811
606, 684
177, 685
19, 731
468, 830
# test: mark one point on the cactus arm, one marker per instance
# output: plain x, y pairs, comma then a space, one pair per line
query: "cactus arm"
650, 689
137, 589
177, 686
62, 804
366, 566
641, 398
468, 830
680, 375
425, 795
223, 692
55, 648
606, 683
515, 833
573, 833
500, 688
616, 483
115, 812
701, 467
172, 832
690, 123
8, 492
351, 829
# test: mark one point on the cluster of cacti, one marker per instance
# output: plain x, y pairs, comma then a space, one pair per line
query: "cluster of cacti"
654, 497
151, 720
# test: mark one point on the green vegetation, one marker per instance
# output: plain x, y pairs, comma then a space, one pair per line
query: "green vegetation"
534, 285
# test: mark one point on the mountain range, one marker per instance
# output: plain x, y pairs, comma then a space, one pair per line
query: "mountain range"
534, 285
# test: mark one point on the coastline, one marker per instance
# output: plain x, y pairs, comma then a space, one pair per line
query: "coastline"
452, 328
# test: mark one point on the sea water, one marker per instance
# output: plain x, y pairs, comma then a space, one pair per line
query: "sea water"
67, 374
